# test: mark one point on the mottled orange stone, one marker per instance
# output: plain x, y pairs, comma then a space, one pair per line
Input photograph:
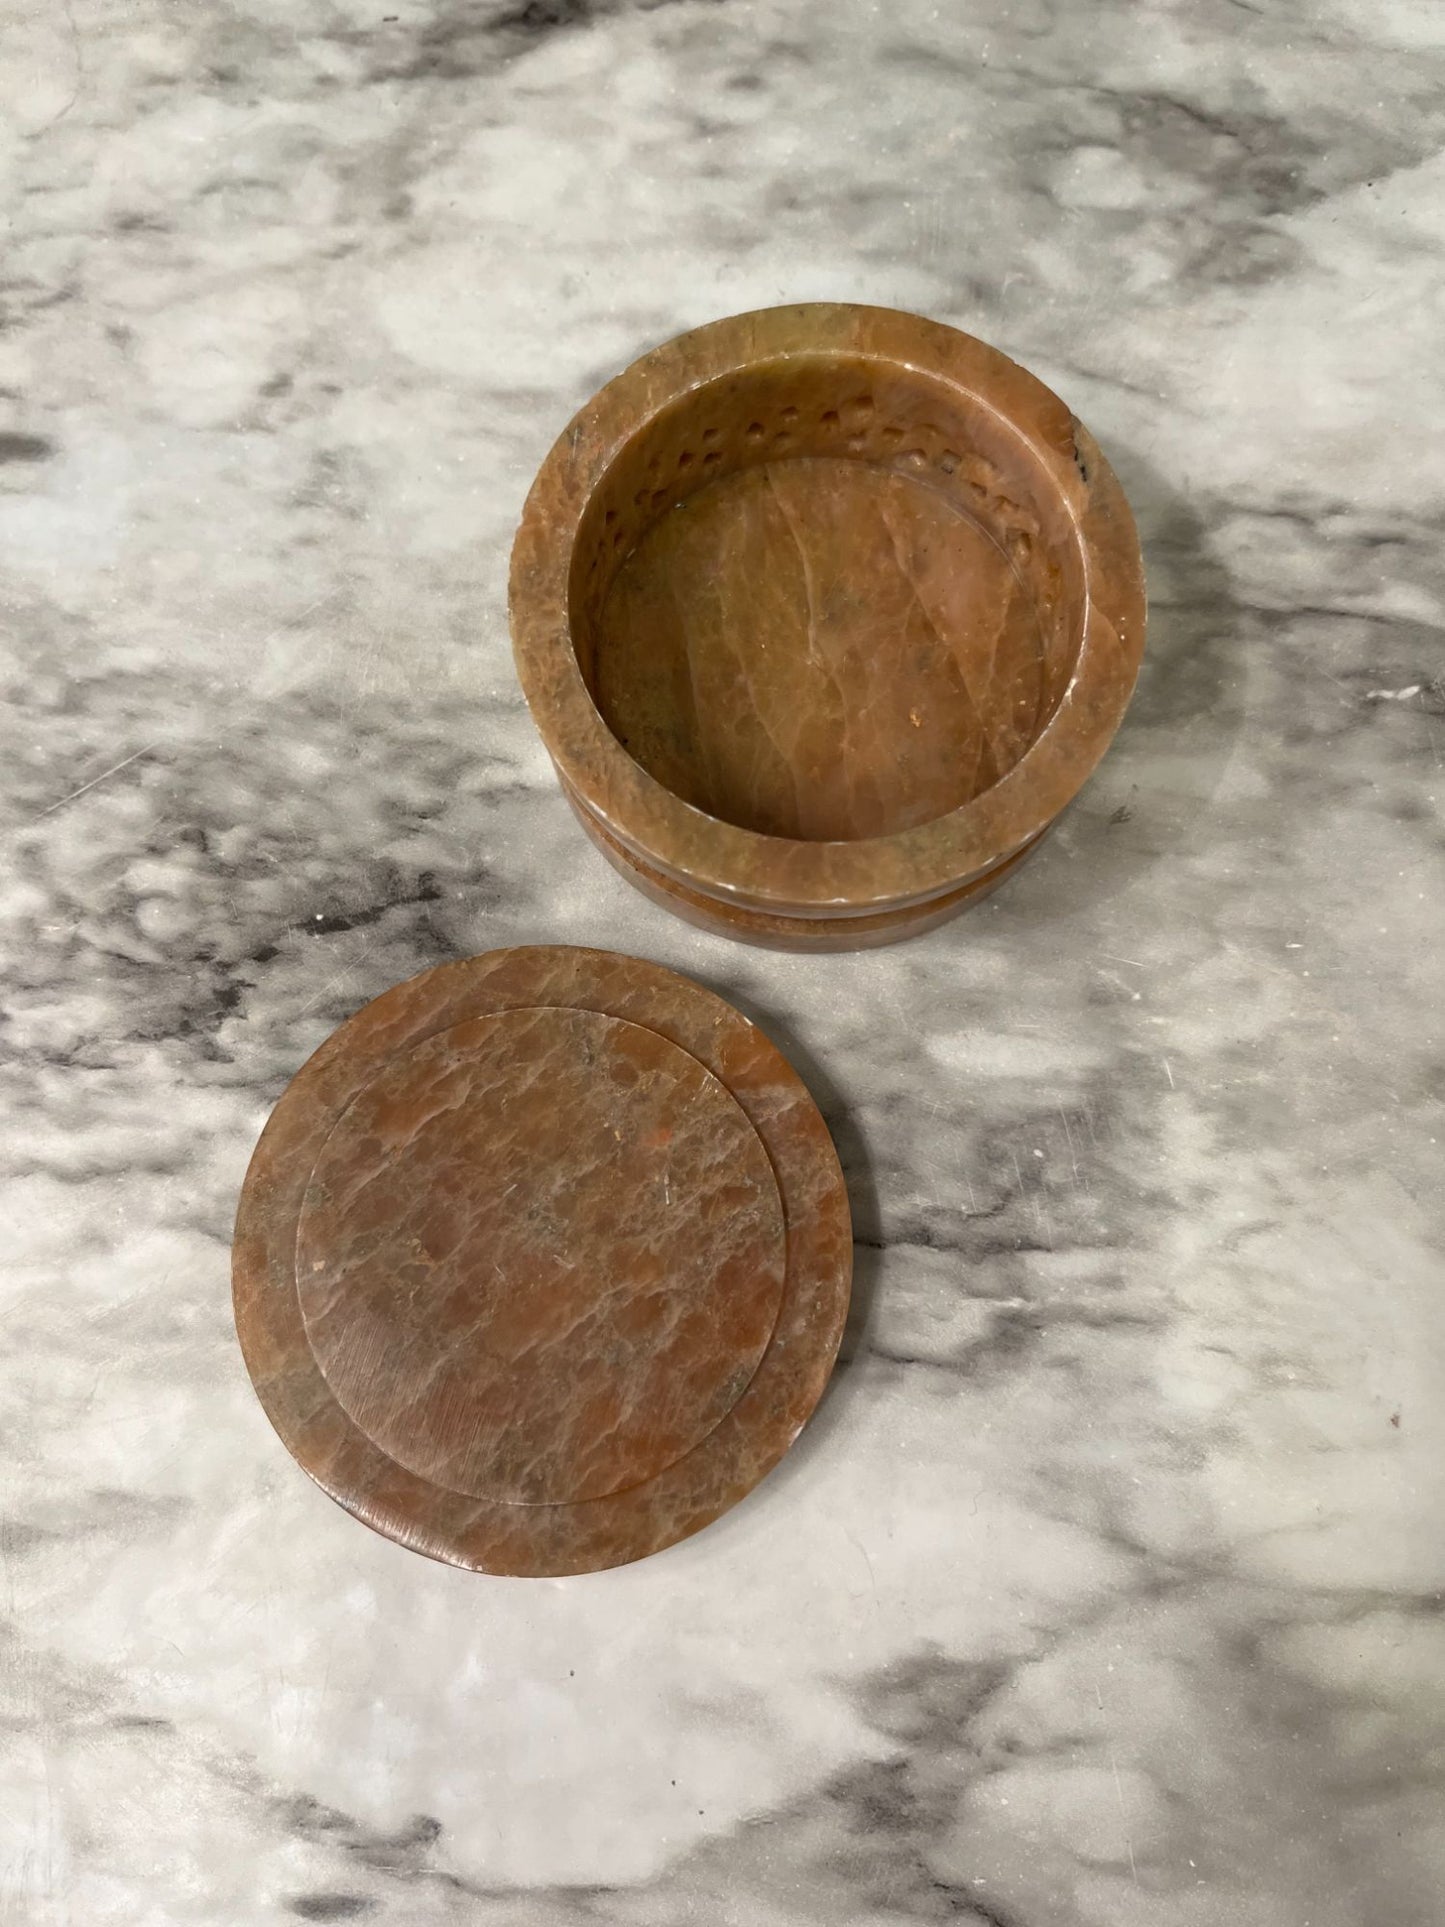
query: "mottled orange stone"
542, 1261
824, 614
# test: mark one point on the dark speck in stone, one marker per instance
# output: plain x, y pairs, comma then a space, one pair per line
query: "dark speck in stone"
18, 1536
330, 1906
328, 922
541, 16
25, 448
399, 1852
309, 1818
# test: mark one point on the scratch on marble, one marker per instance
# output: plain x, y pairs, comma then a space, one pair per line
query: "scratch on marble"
96, 781
1068, 1134
294, 622
872, 1576
1346, 699
1119, 1789
1112, 977
1040, 1215
336, 982
79, 53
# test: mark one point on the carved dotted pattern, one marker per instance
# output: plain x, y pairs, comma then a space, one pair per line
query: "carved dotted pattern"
851, 429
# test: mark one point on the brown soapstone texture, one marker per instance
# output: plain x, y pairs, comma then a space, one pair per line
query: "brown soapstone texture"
773, 931
542, 1261
824, 614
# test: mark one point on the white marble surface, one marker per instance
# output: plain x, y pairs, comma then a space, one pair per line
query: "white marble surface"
1105, 1591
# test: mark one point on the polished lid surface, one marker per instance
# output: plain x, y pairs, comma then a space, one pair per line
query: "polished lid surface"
542, 1260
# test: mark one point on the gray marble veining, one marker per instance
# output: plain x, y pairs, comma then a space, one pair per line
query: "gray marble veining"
1105, 1590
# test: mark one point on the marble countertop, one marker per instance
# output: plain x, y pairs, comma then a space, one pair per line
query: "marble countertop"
1105, 1589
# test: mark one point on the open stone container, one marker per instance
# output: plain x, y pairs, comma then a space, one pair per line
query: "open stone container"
824, 614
